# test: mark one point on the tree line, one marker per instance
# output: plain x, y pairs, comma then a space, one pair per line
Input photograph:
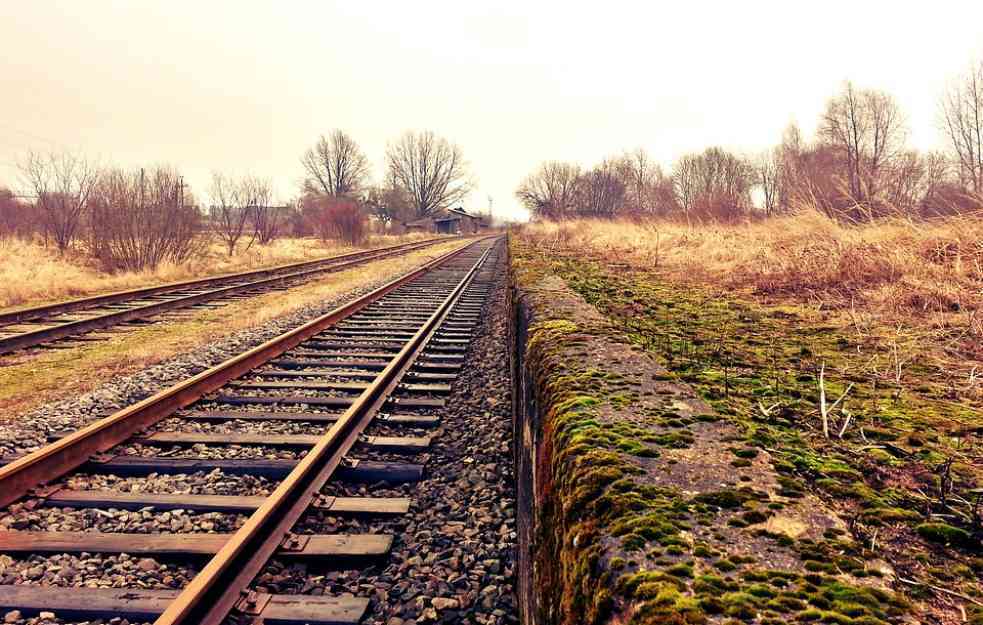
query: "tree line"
132, 219
858, 167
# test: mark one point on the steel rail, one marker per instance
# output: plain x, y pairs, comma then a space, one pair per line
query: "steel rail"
19, 477
212, 594
72, 328
36, 312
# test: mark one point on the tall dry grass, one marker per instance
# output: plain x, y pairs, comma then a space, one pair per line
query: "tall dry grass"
923, 274
32, 274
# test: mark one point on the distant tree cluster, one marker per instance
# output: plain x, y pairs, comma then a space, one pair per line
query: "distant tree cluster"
424, 174
129, 220
859, 167
134, 219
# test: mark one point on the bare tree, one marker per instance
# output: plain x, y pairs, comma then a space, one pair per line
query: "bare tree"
335, 165
789, 157
231, 211
644, 182
388, 203
768, 179
62, 184
714, 184
139, 219
601, 191
962, 113
867, 127
550, 191
937, 176
266, 219
430, 169
905, 182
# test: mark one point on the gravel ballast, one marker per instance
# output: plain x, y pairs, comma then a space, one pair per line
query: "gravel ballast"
453, 557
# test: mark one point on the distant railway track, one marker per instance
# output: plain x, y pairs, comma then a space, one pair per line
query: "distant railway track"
358, 379
69, 320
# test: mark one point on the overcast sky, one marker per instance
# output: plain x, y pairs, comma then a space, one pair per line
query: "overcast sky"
245, 87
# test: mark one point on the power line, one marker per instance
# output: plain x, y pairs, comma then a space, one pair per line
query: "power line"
31, 135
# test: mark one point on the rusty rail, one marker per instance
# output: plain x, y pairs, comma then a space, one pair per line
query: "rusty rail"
38, 312
18, 478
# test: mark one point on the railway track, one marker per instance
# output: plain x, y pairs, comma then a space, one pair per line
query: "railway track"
68, 321
350, 397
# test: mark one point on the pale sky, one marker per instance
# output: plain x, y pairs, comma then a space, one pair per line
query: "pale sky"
245, 87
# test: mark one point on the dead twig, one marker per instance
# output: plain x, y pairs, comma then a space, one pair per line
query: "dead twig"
953, 593
827, 411
767, 411
846, 423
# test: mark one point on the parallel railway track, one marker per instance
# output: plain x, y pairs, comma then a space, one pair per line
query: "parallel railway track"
349, 396
69, 320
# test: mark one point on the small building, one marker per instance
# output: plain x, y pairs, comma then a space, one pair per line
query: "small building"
420, 225
450, 221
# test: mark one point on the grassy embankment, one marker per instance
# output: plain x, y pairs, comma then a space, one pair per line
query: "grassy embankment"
27, 381
31, 274
766, 320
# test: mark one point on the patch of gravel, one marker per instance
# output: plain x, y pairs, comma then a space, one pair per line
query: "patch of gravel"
87, 570
239, 426
381, 428
364, 452
200, 483
30, 431
112, 520
213, 452
453, 558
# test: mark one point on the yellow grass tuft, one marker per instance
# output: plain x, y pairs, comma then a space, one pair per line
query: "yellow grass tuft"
33, 274
926, 275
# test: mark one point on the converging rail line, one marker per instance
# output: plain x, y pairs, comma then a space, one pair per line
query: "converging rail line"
368, 378
41, 325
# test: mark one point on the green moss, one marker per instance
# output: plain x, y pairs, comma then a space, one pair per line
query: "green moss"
702, 551
680, 570
752, 517
785, 603
944, 534
740, 605
883, 516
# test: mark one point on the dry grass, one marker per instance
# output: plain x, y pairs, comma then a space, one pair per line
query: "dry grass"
31, 274
28, 381
908, 276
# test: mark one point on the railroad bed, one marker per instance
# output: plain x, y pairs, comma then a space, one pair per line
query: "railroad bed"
68, 322
273, 470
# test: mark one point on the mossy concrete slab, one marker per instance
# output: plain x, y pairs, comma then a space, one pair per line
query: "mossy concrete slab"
645, 506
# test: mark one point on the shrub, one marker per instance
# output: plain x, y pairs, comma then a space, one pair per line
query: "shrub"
340, 218
138, 221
